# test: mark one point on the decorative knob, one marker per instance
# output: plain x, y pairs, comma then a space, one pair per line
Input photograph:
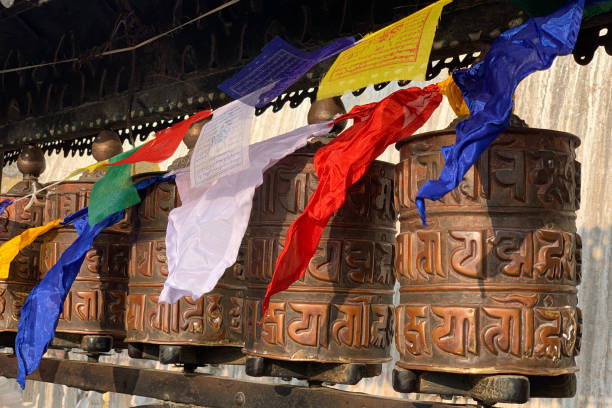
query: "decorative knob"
191, 137
31, 162
106, 145
325, 109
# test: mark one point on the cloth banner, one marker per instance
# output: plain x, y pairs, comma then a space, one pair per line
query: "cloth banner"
113, 192
223, 146
10, 249
204, 234
399, 51
454, 96
89, 169
341, 164
165, 142
40, 313
4, 204
280, 64
488, 88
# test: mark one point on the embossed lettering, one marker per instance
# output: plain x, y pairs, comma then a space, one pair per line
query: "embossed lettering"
512, 174
134, 315
191, 316
88, 305
353, 329
403, 257
358, 256
458, 332
467, 258
311, 328
236, 315
515, 248
273, 325
325, 263
413, 328
429, 258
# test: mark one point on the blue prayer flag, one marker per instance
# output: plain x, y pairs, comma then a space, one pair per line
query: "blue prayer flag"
5, 203
279, 65
488, 88
40, 313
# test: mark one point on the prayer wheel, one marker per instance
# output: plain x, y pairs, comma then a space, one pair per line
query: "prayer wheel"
23, 272
192, 332
488, 298
335, 324
94, 309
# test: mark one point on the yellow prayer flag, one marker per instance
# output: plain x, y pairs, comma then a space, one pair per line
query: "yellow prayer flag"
10, 249
90, 169
399, 51
449, 88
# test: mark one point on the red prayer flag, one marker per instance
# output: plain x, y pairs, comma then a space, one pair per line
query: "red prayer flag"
341, 164
165, 143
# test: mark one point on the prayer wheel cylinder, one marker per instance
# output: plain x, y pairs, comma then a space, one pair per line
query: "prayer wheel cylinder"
94, 309
215, 319
23, 271
341, 311
95, 305
489, 286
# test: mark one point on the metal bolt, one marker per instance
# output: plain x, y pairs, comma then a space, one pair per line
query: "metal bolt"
239, 398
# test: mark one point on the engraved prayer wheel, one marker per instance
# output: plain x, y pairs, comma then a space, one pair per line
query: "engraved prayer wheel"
23, 271
208, 330
191, 332
336, 324
94, 309
488, 288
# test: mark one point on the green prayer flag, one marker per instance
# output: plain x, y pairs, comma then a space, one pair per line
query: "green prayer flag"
113, 192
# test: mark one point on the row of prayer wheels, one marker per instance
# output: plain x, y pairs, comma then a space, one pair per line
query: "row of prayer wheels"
488, 299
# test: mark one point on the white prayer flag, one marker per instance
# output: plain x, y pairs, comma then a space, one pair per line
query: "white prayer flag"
204, 234
223, 146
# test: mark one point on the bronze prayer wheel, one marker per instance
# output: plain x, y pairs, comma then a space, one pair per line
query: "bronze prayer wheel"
94, 309
95, 305
23, 271
335, 324
489, 286
192, 331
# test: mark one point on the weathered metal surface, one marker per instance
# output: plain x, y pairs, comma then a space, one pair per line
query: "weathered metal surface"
200, 389
342, 310
489, 286
95, 304
23, 272
215, 319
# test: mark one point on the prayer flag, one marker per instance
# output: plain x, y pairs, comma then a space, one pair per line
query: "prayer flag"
10, 249
40, 313
223, 145
4, 204
165, 142
341, 164
488, 87
204, 234
454, 96
399, 51
89, 169
279, 64
113, 192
